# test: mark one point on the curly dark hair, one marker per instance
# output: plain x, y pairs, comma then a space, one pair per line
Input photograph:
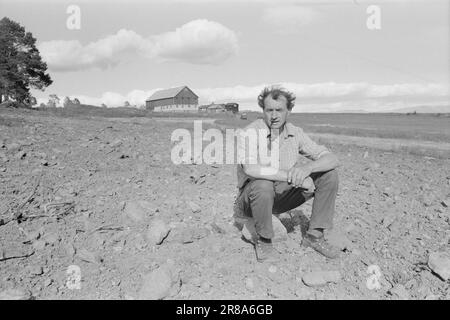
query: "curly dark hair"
275, 92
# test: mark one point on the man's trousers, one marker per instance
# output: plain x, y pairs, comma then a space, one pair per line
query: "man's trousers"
260, 198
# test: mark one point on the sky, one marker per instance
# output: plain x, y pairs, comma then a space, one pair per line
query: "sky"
334, 55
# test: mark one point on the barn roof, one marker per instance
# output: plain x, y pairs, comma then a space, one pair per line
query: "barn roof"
167, 93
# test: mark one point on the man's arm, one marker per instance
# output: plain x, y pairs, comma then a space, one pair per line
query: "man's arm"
326, 162
298, 173
322, 159
256, 171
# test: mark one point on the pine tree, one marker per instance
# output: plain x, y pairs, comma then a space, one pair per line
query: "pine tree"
21, 66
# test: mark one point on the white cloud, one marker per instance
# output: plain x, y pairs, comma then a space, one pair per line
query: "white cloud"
332, 90
72, 55
399, 90
197, 42
289, 18
113, 99
317, 97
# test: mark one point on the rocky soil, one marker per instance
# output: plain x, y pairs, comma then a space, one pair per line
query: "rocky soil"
95, 209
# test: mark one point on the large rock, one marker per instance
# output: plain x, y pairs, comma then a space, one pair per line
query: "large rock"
446, 202
15, 294
439, 262
320, 278
159, 284
88, 256
249, 231
39, 245
35, 270
138, 211
157, 231
13, 147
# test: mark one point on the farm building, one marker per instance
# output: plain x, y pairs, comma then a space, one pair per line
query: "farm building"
233, 107
223, 107
177, 99
212, 108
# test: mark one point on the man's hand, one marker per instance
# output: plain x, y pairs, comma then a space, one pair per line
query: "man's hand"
297, 175
308, 184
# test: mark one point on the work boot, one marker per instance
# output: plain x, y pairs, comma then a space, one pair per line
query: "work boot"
265, 252
320, 245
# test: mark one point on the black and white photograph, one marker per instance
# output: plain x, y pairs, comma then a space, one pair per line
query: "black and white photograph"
241, 152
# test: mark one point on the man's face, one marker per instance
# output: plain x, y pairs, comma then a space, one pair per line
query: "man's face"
275, 112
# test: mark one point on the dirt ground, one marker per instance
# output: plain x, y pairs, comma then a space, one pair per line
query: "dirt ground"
76, 189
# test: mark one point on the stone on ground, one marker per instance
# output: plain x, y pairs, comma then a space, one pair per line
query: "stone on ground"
439, 262
304, 293
15, 294
88, 256
159, 284
249, 284
39, 245
446, 202
249, 231
320, 278
157, 231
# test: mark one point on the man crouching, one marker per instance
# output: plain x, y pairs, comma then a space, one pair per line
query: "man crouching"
263, 192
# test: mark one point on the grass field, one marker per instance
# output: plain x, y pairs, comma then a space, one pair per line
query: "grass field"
424, 127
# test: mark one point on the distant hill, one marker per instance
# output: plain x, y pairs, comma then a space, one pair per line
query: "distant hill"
423, 109
418, 109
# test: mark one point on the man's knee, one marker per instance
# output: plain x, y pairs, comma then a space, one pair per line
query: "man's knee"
262, 189
329, 179
281, 187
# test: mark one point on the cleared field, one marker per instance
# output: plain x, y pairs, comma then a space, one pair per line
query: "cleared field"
87, 192
429, 149
424, 127
420, 134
